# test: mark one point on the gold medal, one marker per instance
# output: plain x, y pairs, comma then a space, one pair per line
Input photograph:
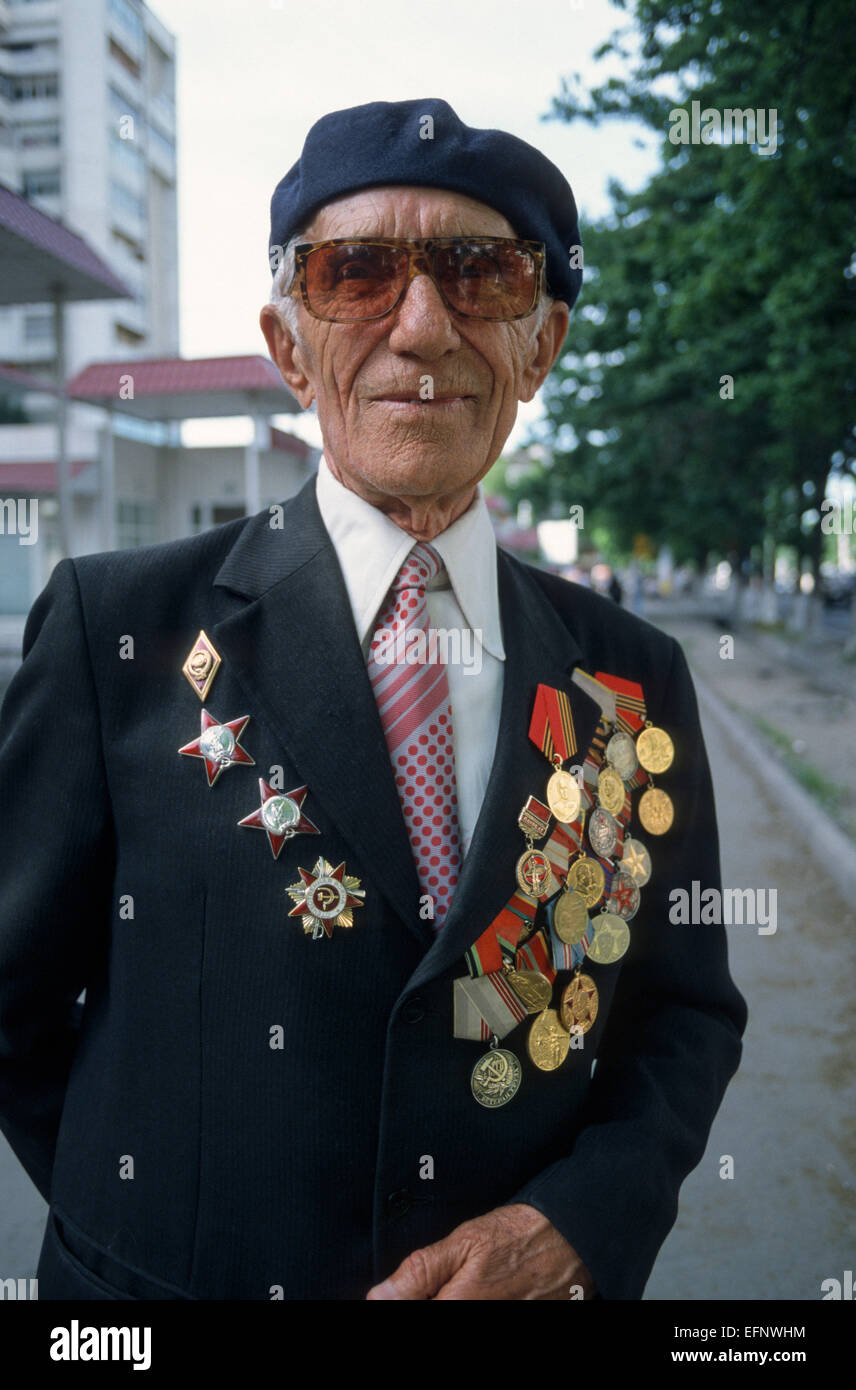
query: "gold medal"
570, 917
532, 989
610, 791
611, 938
621, 753
586, 877
564, 797
656, 811
655, 749
533, 872
578, 1008
636, 861
548, 1042
496, 1078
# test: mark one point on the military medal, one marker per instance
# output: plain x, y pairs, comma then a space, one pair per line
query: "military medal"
532, 988
532, 870
621, 754
587, 878
218, 745
564, 796
570, 917
624, 895
602, 832
636, 861
611, 938
280, 816
201, 665
656, 811
325, 898
578, 1009
655, 749
610, 791
496, 1077
548, 1042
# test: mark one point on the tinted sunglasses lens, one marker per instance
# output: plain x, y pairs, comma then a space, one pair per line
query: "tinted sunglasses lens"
354, 281
494, 280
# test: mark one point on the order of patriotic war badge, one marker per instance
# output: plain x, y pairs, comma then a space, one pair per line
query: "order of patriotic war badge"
325, 898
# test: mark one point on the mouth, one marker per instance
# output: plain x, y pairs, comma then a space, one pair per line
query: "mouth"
408, 400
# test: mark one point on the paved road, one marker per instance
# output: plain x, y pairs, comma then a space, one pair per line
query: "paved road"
786, 1221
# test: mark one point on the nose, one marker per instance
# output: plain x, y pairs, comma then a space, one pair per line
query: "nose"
422, 322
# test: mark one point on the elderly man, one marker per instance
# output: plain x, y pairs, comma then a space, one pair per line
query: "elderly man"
428, 1031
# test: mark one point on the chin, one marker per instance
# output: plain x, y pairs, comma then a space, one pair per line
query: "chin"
419, 471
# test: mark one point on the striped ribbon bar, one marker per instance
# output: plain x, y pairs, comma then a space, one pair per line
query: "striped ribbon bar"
568, 957
485, 1006
552, 725
533, 955
500, 939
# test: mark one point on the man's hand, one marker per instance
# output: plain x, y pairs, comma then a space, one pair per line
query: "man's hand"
513, 1252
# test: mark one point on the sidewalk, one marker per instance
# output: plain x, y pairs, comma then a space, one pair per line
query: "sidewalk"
799, 698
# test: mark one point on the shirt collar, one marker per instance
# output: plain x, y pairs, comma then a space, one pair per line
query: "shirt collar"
371, 549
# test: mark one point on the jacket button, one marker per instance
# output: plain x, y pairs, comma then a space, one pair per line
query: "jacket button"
413, 1011
399, 1203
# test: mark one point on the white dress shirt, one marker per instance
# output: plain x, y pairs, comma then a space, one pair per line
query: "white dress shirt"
371, 549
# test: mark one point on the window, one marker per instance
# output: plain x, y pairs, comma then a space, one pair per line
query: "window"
136, 524
43, 183
128, 337
124, 59
128, 19
38, 87
38, 135
126, 202
38, 328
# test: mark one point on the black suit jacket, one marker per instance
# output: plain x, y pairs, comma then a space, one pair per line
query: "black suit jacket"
182, 1155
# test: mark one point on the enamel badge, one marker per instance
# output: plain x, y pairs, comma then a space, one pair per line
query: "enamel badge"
280, 816
218, 745
325, 898
201, 665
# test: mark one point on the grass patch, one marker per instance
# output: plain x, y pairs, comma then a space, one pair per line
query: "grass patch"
830, 795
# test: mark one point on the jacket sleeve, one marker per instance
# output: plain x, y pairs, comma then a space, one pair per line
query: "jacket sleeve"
669, 1048
56, 868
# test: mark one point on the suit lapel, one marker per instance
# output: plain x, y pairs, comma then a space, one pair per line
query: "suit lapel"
294, 648
539, 649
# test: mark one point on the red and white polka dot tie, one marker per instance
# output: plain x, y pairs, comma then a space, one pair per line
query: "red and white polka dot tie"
416, 714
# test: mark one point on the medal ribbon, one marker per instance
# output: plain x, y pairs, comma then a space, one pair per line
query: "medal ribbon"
552, 725
504, 932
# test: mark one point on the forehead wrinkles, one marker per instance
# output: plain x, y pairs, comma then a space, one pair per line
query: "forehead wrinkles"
408, 213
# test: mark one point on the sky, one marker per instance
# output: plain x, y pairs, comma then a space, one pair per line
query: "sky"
253, 77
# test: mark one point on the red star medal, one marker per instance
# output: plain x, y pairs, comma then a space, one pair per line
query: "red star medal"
218, 745
280, 815
325, 898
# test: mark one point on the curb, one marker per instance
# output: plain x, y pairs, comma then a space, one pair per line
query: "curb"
824, 837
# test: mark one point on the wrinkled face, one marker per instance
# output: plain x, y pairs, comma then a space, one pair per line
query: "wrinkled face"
366, 377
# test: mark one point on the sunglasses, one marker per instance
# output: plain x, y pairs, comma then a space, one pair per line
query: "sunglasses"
353, 279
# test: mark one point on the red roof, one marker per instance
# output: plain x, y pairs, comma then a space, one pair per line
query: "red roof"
176, 376
19, 219
24, 381
35, 477
290, 444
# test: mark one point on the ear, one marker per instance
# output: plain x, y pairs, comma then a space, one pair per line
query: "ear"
287, 354
545, 350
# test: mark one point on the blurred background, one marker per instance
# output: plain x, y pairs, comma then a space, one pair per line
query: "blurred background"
691, 455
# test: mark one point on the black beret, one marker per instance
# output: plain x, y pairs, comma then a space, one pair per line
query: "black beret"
391, 142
